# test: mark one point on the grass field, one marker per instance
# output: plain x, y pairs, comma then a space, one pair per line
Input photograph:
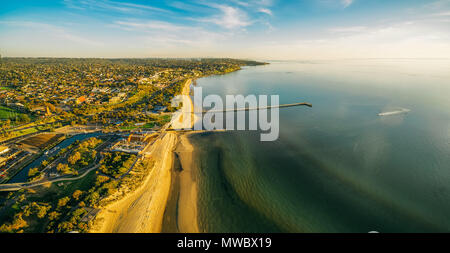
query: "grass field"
19, 133
132, 127
26, 131
8, 113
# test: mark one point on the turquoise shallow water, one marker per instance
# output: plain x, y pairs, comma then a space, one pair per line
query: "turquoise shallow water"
337, 167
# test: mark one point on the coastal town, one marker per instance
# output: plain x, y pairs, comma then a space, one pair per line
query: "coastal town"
80, 134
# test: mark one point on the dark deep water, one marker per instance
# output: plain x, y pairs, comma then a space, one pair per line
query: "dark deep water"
338, 166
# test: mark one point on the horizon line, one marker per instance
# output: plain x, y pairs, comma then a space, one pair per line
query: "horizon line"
216, 57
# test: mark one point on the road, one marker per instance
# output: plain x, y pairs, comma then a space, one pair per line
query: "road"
18, 186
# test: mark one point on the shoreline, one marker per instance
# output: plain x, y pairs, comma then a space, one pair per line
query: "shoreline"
142, 210
181, 205
166, 201
188, 201
182, 209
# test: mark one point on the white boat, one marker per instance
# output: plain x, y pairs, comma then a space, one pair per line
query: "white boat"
401, 111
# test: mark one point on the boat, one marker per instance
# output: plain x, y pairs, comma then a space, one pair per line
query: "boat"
401, 111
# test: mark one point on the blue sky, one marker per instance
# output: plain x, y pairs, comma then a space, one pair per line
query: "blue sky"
259, 29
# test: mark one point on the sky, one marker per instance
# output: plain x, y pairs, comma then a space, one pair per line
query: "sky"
254, 29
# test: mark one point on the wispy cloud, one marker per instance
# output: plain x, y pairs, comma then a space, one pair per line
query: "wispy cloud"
437, 5
241, 3
152, 25
164, 32
73, 5
52, 30
229, 27
442, 14
335, 4
189, 7
266, 11
349, 29
232, 17
347, 3
107, 5
229, 18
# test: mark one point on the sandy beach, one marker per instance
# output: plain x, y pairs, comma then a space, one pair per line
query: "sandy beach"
184, 118
181, 211
187, 203
142, 210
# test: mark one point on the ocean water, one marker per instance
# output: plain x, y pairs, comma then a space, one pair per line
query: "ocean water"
338, 166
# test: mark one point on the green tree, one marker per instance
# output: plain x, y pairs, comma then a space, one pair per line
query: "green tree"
23, 118
63, 201
32, 172
74, 158
53, 215
42, 211
76, 194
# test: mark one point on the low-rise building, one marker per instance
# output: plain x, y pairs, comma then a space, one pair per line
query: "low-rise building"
3, 149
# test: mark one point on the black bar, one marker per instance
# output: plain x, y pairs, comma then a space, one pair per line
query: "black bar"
259, 242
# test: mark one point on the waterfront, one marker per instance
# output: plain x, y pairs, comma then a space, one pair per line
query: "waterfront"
22, 176
338, 166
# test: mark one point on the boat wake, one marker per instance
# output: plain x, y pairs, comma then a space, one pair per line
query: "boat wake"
401, 111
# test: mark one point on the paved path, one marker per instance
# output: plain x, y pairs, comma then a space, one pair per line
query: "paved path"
18, 186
